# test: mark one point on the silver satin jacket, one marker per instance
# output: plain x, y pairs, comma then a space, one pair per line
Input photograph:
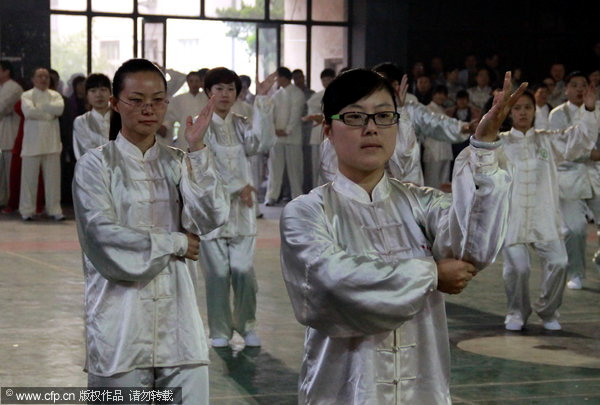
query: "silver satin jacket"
534, 211
132, 211
361, 275
232, 141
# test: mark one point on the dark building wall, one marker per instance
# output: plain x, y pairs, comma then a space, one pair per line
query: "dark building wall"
526, 34
25, 33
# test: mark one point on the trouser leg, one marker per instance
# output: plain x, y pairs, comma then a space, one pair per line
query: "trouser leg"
5, 159
51, 172
553, 256
516, 280
193, 381
243, 281
573, 213
214, 260
315, 155
276, 166
30, 169
294, 165
594, 205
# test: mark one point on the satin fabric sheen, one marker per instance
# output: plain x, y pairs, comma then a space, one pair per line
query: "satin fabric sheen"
361, 275
132, 213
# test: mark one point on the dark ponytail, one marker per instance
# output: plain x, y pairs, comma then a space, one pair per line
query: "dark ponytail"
131, 66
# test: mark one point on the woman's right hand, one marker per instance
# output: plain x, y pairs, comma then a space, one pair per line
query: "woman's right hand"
454, 275
193, 249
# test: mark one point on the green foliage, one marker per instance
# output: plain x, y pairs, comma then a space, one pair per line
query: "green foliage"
69, 54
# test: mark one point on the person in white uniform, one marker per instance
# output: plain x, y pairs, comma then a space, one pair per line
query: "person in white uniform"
286, 155
10, 93
140, 207
90, 130
181, 107
41, 146
535, 219
365, 258
227, 253
579, 182
437, 155
542, 108
316, 118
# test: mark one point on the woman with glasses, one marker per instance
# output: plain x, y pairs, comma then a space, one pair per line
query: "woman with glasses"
366, 257
140, 207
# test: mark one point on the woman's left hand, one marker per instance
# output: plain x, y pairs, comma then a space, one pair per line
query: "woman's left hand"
263, 87
195, 131
589, 97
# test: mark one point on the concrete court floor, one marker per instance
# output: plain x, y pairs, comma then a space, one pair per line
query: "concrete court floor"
41, 329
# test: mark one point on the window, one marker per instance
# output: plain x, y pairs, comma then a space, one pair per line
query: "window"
112, 43
252, 37
68, 44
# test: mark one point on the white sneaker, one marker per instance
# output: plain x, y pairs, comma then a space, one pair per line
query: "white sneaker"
59, 217
219, 342
574, 283
552, 325
513, 323
252, 340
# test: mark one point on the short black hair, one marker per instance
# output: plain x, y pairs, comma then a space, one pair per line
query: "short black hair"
297, 71
246, 80
202, 72
351, 86
327, 72
390, 71
6, 65
282, 71
193, 73
222, 75
440, 88
96, 80
462, 94
574, 74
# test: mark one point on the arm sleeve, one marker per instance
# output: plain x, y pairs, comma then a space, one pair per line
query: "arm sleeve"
9, 97
31, 112
260, 137
405, 163
205, 200
345, 295
118, 252
437, 126
56, 105
576, 142
470, 224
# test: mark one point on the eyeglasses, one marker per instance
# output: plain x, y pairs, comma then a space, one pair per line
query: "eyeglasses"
361, 119
139, 104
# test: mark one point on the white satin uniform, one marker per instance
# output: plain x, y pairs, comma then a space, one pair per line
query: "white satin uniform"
41, 148
361, 275
227, 253
286, 154
535, 219
579, 188
133, 211
90, 130
437, 156
10, 93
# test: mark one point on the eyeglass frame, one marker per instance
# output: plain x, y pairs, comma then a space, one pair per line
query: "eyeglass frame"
152, 104
340, 117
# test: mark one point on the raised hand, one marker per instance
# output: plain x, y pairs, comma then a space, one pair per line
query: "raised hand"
194, 131
263, 87
487, 130
454, 275
589, 97
401, 91
317, 119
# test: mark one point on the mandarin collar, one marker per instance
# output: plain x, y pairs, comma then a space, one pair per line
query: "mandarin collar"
134, 152
515, 133
350, 189
216, 119
101, 117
